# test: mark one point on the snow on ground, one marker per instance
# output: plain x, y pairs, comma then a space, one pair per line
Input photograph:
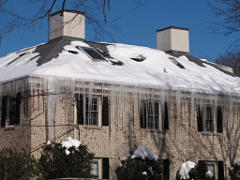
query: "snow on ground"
157, 70
142, 152
70, 143
185, 169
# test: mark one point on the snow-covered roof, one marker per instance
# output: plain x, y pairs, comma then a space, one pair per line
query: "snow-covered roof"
123, 64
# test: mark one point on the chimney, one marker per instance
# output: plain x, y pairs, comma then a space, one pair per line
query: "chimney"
67, 23
173, 39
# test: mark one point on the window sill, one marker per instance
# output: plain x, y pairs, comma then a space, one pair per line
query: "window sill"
90, 126
153, 130
209, 133
9, 128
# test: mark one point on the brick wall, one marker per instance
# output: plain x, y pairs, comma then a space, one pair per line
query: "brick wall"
180, 143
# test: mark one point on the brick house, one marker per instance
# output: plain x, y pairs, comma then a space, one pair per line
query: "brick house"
116, 97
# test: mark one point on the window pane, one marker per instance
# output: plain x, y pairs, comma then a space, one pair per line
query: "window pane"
93, 53
91, 111
94, 168
150, 114
209, 119
211, 170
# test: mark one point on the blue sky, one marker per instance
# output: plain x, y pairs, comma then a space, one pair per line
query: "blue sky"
134, 23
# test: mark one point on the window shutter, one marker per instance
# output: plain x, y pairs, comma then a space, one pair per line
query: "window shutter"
105, 168
105, 111
199, 118
219, 119
18, 103
165, 118
4, 111
143, 114
220, 170
165, 169
79, 98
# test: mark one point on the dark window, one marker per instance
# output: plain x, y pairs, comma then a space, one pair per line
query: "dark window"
149, 114
215, 169
205, 118
176, 62
93, 53
89, 108
11, 110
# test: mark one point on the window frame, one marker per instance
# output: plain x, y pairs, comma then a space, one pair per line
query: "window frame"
163, 114
92, 58
13, 110
215, 165
95, 161
203, 118
86, 118
143, 104
83, 111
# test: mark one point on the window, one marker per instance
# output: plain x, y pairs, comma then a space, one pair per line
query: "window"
211, 170
176, 62
92, 53
215, 169
100, 168
10, 110
149, 114
94, 168
150, 111
92, 110
208, 124
206, 119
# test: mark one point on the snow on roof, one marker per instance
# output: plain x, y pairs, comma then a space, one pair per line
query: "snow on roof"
124, 65
185, 169
142, 152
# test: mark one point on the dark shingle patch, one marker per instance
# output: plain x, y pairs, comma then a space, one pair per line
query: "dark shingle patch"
198, 61
52, 49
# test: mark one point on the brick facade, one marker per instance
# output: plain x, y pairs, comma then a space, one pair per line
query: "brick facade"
180, 143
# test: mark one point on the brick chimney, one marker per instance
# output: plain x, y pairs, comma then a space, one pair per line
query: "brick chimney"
173, 39
67, 23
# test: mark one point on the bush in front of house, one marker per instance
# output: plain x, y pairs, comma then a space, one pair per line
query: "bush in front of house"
17, 165
59, 161
140, 165
139, 169
234, 171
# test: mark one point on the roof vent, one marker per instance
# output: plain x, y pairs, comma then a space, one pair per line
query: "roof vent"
67, 23
173, 39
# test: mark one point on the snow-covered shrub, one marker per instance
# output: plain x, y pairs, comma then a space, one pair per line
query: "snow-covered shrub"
17, 165
234, 171
191, 171
139, 165
67, 159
